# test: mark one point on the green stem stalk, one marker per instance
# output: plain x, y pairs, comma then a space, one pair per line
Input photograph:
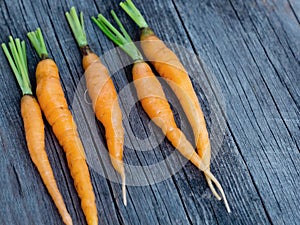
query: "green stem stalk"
18, 63
77, 27
122, 40
134, 13
37, 40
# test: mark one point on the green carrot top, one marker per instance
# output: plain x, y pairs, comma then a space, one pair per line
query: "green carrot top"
134, 13
18, 63
37, 40
77, 27
122, 40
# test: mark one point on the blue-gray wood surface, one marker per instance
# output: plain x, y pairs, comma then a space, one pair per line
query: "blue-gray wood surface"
249, 55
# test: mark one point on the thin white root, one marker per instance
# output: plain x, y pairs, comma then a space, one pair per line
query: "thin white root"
218, 185
124, 189
119, 167
212, 188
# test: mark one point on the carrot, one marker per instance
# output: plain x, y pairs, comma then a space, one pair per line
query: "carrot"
54, 106
152, 97
171, 69
103, 95
33, 124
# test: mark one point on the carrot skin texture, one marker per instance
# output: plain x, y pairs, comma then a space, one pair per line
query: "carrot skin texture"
35, 138
54, 105
106, 107
155, 104
170, 68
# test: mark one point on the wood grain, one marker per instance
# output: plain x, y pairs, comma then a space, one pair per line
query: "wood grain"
244, 61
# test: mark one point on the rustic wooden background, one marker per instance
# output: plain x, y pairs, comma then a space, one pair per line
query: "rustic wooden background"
250, 48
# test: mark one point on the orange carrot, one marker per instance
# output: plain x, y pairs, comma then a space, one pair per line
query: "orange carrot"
54, 106
152, 97
156, 106
103, 95
171, 69
34, 125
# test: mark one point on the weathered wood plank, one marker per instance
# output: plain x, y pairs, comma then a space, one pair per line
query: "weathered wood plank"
250, 49
262, 108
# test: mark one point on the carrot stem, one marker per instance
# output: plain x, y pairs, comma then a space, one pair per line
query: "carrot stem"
77, 27
18, 63
122, 40
37, 40
124, 32
134, 13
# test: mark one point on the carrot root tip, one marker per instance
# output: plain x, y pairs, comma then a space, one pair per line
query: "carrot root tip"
218, 185
68, 220
124, 189
212, 188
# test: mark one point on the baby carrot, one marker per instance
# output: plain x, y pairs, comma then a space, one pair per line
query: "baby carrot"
103, 95
152, 97
171, 69
33, 124
54, 106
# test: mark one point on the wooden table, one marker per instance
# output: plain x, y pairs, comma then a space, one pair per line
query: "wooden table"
247, 77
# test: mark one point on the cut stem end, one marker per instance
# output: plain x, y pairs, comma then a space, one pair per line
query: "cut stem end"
134, 13
37, 40
18, 62
77, 27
